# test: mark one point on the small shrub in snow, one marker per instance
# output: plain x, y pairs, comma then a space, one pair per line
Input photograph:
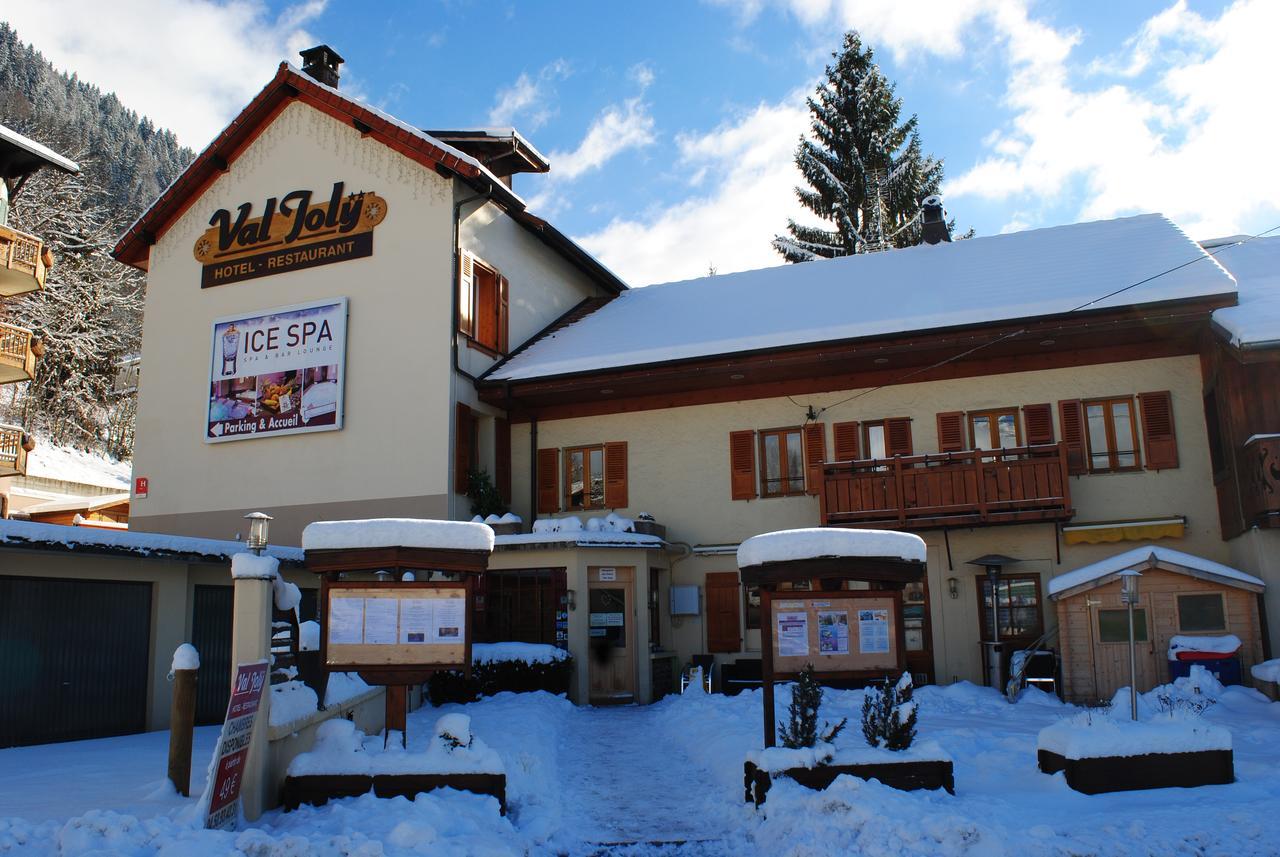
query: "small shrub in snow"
889, 715
802, 728
453, 731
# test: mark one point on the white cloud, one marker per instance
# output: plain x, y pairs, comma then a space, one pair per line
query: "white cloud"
748, 162
617, 129
530, 101
190, 65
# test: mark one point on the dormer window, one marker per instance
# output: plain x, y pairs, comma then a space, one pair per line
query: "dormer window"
482, 305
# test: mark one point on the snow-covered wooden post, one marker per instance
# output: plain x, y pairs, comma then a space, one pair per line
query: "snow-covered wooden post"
253, 577
182, 716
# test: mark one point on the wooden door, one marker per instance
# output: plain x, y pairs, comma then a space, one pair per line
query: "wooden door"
1110, 635
611, 636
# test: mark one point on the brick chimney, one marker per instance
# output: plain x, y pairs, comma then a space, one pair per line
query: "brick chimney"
321, 62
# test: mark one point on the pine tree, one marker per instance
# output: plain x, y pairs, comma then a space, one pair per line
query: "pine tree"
889, 715
866, 171
485, 498
802, 727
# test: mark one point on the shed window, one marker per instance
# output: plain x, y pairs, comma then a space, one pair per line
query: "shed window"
1113, 626
781, 463
1202, 612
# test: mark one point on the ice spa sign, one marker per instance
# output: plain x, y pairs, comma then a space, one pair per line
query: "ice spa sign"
294, 232
280, 372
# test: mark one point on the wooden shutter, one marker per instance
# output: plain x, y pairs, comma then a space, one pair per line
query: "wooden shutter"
548, 481
1071, 418
742, 464
723, 628
897, 436
815, 453
1037, 420
463, 438
502, 458
615, 475
1158, 438
503, 306
466, 294
951, 431
845, 436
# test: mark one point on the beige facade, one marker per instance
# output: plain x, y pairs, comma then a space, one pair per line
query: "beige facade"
1257, 551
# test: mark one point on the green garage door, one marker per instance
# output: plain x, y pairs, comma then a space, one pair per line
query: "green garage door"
74, 659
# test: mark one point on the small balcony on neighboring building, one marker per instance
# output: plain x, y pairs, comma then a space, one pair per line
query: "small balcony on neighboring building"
14, 446
1260, 480
24, 261
974, 488
19, 349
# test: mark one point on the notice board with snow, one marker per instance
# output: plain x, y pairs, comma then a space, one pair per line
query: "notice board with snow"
397, 625
843, 633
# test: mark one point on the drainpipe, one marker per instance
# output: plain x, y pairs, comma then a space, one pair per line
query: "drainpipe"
457, 263
533, 470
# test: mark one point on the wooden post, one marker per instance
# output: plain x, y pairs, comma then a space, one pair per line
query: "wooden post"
766, 666
182, 721
397, 708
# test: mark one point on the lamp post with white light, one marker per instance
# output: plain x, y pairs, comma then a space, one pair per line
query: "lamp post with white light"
259, 522
1129, 597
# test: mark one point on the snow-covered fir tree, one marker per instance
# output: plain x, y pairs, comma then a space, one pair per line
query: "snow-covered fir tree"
866, 171
889, 715
801, 728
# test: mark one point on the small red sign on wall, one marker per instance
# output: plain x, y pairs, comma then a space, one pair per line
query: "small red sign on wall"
140, 486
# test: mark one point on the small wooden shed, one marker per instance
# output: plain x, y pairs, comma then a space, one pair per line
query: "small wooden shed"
1179, 594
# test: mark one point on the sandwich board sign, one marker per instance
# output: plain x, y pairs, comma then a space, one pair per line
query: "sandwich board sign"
233, 746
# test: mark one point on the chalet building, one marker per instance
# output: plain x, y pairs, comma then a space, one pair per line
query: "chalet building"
346, 315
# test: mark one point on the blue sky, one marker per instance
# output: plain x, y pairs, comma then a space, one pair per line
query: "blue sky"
670, 125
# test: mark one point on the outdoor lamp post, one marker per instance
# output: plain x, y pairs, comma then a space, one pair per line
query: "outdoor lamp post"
1129, 597
258, 524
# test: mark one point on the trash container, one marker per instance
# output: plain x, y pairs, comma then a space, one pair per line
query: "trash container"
1224, 667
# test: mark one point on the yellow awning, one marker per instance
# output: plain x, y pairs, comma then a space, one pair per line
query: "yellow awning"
1124, 531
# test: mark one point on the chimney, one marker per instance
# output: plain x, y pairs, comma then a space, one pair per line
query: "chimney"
321, 62
933, 221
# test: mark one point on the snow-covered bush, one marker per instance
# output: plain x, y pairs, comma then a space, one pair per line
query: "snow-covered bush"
889, 715
801, 730
453, 732
502, 672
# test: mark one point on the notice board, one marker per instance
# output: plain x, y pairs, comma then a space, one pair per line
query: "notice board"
845, 633
405, 624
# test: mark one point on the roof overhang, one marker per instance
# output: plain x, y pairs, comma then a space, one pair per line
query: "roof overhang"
1155, 562
21, 156
502, 150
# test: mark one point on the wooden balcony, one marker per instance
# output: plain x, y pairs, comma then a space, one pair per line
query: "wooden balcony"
952, 489
18, 353
13, 451
23, 263
1259, 462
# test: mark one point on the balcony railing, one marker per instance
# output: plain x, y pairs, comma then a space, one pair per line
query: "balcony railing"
974, 488
17, 354
13, 452
1260, 475
23, 262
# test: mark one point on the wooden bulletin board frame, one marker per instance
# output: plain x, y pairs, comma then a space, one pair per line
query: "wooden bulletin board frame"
852, 666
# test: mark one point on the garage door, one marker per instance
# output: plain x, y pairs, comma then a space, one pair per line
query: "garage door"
211, 635
74, 659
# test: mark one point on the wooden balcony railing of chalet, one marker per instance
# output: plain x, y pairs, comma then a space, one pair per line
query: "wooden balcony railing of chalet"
974, 488
18, 349
13, 451
23, 262
1260, 477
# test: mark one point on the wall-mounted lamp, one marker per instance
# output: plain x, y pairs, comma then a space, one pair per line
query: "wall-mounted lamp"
259, 522
953, 587
570, 599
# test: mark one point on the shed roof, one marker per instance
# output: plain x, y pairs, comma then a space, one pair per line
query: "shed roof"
1149, 556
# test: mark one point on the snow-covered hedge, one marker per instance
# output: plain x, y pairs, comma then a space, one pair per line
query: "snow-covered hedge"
498, 667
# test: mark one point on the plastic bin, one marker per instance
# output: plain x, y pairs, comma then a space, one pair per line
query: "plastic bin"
1224, 669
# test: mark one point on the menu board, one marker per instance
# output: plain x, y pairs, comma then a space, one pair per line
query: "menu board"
401, 626
837, 632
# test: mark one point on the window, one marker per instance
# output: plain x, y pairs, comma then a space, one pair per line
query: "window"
584, 477
1019, 611
751, 607
873, 440
1113, 626
482, 304
1111, 435
994, 429
781, 463
1204, 612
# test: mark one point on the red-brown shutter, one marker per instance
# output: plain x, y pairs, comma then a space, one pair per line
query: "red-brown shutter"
897, 436
815, 453
723, 628
464, 435
951, 431
502, 458
845, 436
548, 481
466, 294
742, 464
1038, 422
503, 307
1071, 418
615, 475
1158, 438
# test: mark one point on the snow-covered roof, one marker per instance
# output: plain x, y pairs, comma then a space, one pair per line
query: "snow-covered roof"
1255, 321
829, 543
397, 532
1151, 556
93, 540
34, 154
1020, 275
89, 504
580, 538
50, 461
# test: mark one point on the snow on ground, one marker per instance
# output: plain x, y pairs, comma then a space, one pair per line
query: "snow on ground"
50, 461
581, 777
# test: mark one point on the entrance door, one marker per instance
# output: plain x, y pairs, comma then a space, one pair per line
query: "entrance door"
1110, 634
919, 633
610, 644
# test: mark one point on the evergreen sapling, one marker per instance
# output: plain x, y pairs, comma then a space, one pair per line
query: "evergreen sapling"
889, 715
802, 728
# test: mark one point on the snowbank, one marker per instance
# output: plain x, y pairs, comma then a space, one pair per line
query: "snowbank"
185, 657
397, 532
290, 701
820, 542
309, 636
342, 749
1089, 735
344, 686
1267, 671
1227, 644
529, 653
248, 566
65, 464
781, 758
